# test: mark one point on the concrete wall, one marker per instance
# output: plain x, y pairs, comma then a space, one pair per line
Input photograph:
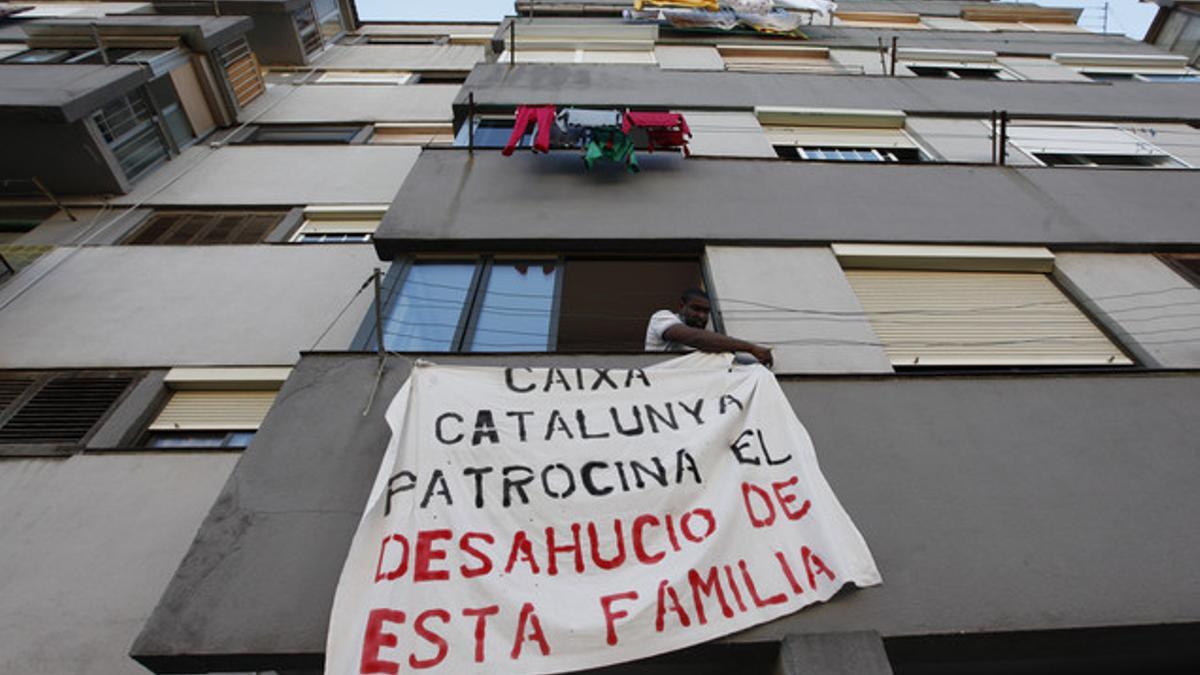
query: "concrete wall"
650, 86
364, 103
746, 278
1148, 305
983, 516
278, 175
402, 57
90, 543
166, 306
495, 201
959, 140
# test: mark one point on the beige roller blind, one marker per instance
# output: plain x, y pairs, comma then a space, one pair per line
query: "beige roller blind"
198, 410
838, 137
775, 59
978, 318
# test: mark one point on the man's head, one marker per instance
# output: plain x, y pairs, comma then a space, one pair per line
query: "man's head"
694, 307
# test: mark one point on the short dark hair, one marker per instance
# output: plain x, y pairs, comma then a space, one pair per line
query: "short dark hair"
692, 293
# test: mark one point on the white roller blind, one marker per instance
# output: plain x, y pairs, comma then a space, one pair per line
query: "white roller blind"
214, 411
727, 134
1081, 141
838, 137
978, 318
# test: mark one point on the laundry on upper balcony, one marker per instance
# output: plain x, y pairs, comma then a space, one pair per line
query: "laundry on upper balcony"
666, 130
782, 17
601, 133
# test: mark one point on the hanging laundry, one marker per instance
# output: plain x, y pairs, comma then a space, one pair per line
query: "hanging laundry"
611, 144
665, 130
750, 6
710, 5
778, 21
541, 117
693, 19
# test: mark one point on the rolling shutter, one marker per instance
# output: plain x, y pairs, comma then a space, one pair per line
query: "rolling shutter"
241, 71
1066, 140
978, 318
202, 410
63, 410
838, 137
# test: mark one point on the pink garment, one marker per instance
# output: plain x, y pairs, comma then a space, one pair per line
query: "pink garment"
664, 129
542, 116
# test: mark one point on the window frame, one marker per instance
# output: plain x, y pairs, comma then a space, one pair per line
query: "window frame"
469, 313
216, 380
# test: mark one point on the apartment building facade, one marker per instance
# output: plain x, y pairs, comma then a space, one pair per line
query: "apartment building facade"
968, 230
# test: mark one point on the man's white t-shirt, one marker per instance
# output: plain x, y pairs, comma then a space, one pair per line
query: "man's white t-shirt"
660, 321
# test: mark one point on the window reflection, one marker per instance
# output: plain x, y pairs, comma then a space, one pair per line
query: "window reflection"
423, 315
517, 307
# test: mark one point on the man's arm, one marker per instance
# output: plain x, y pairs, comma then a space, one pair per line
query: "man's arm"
708, 341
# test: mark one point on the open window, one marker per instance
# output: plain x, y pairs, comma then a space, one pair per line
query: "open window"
823, 134
1131, 67
1187, 264
302, 134
953, 64
1055, 144
973, 306
527, 304
214, 408
904, 20
776, 59
339, 224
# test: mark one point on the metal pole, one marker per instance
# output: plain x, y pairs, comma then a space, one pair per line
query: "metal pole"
1106, 18
1003, 137
471, 123
882, 51
99, 44
51, 197
893, 68
993, 137
512, 43
379, 314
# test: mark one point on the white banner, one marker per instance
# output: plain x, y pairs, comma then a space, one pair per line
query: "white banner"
541, 520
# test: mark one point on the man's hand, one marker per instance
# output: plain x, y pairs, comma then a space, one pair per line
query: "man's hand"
763, 354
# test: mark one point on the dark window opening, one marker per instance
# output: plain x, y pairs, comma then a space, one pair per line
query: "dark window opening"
1127, 161
442, 78
955, 72
303, 134
184, 228
533, 305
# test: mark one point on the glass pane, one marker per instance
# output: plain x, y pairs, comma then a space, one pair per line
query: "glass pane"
423, 315
515, 316
186, 439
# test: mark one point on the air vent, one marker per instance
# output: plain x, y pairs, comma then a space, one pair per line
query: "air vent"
64, 410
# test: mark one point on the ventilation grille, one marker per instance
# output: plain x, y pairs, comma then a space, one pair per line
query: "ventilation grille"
64, 410
181, 228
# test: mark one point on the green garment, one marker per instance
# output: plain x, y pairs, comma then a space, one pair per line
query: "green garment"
611, 145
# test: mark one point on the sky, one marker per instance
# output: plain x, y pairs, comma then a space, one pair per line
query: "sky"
1130, 17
